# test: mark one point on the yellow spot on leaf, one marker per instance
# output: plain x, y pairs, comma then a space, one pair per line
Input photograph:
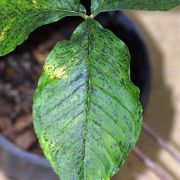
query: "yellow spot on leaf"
56, 72
35, 3
46, 148
4, 32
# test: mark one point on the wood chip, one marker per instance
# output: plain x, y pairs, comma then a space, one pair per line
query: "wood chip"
22, 123
25, 140
5, 123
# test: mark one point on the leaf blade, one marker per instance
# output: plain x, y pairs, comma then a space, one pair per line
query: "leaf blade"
93, 116
19, 18
149, 5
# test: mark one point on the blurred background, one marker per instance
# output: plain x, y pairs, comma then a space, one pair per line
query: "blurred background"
161, 32
154, 43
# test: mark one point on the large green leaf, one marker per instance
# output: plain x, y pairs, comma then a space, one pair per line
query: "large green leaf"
86, 110
152, 5
20, 17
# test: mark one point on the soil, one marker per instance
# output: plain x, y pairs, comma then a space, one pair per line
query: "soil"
19, 74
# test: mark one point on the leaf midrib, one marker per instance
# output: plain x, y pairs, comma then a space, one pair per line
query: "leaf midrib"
88, 96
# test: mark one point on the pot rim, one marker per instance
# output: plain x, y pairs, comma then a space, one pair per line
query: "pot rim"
31, 157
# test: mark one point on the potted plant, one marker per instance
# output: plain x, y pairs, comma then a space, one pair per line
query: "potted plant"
87, 114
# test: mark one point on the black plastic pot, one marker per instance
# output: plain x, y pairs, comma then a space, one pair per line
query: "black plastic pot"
22, 165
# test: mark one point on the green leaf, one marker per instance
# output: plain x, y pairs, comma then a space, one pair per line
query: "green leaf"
20, 17
86, 110
151, 5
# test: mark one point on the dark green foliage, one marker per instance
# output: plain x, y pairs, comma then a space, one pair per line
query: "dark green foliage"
150, 5
20, 17
87, 113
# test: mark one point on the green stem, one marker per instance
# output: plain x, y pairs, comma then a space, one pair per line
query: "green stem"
84, 16
94, 15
